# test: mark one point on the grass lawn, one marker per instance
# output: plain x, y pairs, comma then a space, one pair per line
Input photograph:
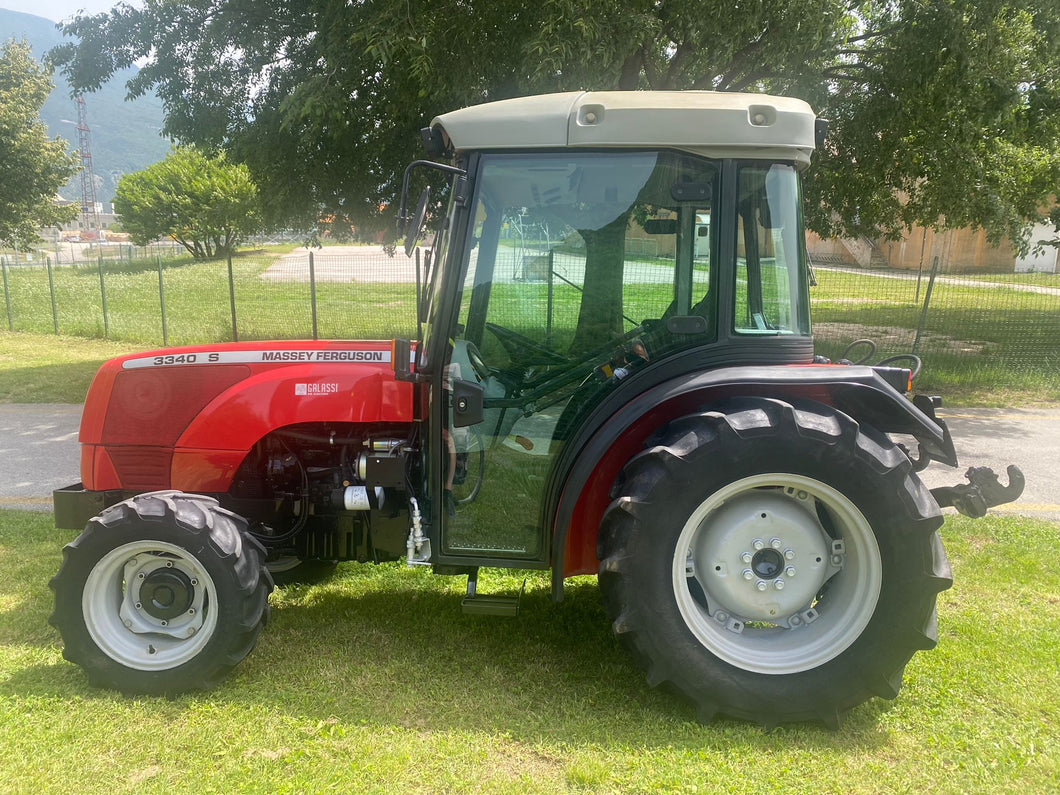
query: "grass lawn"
374, 682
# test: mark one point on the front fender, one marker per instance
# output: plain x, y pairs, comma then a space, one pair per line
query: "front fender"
618, 427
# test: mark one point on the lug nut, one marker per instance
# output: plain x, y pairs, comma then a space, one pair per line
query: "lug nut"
746, 557
790, 571
748, 574
758, 543
788, 554
761, 585
140, 576
775, 543
778, 584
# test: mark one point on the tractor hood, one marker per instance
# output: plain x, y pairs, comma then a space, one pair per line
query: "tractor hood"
146, 412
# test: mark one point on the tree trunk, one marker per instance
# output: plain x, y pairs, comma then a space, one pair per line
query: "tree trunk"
600, 316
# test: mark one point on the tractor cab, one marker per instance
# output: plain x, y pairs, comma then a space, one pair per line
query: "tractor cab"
596, 243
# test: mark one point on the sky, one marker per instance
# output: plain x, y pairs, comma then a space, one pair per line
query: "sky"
58, 10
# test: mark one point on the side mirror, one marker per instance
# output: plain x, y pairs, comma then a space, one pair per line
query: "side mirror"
412, 233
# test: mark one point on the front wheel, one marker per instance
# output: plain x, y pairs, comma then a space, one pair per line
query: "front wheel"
161, 593
773, 562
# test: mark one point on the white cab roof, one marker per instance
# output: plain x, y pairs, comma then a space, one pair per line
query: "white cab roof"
711, 123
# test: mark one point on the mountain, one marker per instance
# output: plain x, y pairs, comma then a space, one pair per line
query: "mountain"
125, 136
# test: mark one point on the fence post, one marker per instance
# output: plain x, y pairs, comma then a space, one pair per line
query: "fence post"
927, 301
313, 293
7, 296
232, 298
161, 300
103, 297
51, 289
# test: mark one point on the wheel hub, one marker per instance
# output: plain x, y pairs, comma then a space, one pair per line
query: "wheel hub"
767, 563
163, 595
166, 593
762, 556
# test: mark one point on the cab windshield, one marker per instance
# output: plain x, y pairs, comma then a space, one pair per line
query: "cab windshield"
577, 270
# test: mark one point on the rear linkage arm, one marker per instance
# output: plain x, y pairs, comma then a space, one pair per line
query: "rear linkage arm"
983, 491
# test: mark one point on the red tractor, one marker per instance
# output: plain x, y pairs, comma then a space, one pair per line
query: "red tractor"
615, 375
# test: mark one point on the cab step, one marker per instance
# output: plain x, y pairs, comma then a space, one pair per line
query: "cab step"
478, 604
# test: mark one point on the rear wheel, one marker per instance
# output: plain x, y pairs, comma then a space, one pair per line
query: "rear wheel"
773, 562
162, 593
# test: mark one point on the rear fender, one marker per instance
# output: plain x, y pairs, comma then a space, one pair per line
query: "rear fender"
619, 426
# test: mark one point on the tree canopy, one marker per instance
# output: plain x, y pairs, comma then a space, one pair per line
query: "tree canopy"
32, 166
204, 203
943, 111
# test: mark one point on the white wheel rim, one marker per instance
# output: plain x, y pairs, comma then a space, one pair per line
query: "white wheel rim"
136, 635
768, 525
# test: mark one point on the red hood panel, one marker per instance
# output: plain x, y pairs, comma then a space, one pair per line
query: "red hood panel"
228, 395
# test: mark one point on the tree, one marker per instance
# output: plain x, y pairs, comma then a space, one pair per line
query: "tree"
32, 166
204, 203
944, 112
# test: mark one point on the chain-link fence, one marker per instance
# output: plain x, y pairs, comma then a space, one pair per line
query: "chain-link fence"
155, 301
958, 323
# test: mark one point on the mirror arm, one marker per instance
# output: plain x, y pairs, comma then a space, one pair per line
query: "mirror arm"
402, 219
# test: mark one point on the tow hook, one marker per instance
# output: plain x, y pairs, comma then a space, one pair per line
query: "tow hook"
982, 491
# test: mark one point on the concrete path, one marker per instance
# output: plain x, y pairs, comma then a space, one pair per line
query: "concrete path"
943, 279
39, 452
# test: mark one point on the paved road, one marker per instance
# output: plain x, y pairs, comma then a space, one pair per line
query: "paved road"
39, 452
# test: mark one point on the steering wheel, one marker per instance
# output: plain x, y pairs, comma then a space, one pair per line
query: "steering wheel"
522, 350
912, 358
870, 348
482, 370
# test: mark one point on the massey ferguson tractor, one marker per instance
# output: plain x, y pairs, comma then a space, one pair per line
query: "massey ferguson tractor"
614, 374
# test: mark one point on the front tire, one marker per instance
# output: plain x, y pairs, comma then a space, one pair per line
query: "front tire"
161, 593
773, 562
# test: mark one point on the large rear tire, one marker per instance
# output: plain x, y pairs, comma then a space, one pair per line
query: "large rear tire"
161, 593
773, 562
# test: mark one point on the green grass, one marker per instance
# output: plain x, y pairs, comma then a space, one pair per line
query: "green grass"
44, 368
197, 303
374, 682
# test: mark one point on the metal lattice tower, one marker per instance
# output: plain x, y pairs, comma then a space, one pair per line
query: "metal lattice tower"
89, 217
